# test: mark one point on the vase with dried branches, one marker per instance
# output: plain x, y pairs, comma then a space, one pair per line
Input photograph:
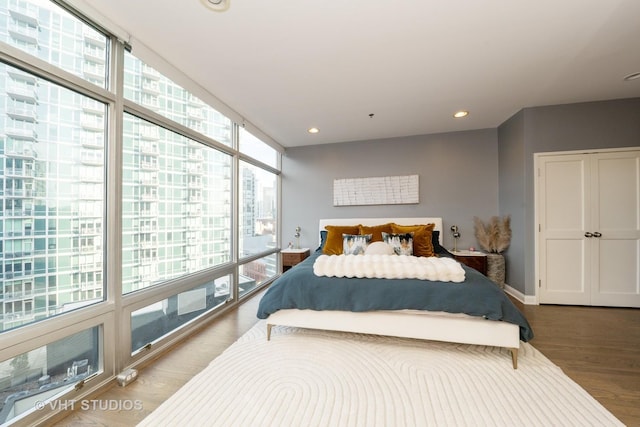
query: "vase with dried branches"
494, 237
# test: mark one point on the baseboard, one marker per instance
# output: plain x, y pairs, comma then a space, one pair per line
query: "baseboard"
525, 299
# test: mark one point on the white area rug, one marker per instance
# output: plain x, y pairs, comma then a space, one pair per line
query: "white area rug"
318, 378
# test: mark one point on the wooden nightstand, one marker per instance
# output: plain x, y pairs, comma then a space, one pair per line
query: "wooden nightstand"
477, 260
291, 257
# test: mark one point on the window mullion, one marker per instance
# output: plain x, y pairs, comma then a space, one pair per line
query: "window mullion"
113, 234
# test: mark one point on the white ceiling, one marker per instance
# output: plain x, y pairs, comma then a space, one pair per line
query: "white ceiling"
287, 65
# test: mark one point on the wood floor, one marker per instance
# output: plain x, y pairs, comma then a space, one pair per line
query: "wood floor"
599, 348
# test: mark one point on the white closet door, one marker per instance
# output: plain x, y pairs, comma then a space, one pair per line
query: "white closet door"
589, 229
563, 214
615, 221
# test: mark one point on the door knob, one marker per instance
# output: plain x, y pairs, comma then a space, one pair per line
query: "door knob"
587, 234
596, 234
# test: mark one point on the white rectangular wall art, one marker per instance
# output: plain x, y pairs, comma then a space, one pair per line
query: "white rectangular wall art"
382, 190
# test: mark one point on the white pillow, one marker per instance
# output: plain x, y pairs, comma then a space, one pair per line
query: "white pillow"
379, 248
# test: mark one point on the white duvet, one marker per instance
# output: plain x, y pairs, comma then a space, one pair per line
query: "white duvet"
389, 267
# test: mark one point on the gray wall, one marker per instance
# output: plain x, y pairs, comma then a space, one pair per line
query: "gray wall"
511, 185
583, 126
463, 174
458, 180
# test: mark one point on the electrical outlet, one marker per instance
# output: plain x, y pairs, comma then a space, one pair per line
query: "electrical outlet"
127, 376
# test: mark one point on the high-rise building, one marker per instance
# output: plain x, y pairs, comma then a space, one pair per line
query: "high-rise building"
51, 171
176, 195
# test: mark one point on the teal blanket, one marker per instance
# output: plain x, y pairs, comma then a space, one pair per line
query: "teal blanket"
300, 288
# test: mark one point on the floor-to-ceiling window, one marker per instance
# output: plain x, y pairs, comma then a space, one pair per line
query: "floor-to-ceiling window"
130, 209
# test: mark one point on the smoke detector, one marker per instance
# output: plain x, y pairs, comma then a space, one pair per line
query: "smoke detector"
217, 5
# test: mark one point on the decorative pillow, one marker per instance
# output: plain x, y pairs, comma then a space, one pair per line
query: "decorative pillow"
355, 244
402, 243
379, 248
333, 244
422, 245
435, 241
375, 231
323, 239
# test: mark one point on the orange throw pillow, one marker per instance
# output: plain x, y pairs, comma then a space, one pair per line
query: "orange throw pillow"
333, 244
375, 231
422, 244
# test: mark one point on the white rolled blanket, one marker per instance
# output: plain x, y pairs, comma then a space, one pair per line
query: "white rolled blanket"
389, 267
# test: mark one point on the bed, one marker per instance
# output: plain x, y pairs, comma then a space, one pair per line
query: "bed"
474, 311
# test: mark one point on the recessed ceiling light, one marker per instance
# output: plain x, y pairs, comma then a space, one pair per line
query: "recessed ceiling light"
217, 5
632, 76
313, 130
460, 114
